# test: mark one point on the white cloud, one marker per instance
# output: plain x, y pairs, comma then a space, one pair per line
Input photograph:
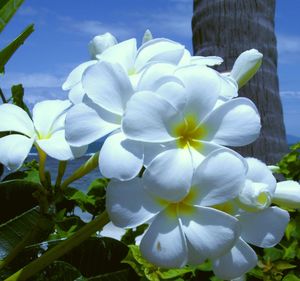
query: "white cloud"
290, 94
27, 11
31, 80
288, 48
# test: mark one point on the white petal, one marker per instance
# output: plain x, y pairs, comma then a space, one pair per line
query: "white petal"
123, 53
153, 74
150, 118
169, 175
76, 94
14, 118
120, 157
235, 123
13, 150
265, 228
46, 113
112, 231
57, 147
239, 260
209, 60
214, 183
259, 172
85, 124
164, 243
202, 86
159, 50
107, 85
76, 74
229, 87
128, 204
287, 194
210, 232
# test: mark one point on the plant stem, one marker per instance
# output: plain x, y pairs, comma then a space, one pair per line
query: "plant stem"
61, 171
42, 161
2, 96
81, 235
87, 167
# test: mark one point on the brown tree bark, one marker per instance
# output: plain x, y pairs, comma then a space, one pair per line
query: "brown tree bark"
226, 28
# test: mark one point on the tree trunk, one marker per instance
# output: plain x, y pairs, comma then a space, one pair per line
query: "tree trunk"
226, 28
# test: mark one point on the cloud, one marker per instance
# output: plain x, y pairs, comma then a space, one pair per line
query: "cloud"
288, 48
27, 11
290, 94
31, 80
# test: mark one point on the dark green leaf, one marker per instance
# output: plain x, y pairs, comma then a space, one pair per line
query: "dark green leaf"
291, 277
7, 9
17, 93
58, 271
8, 51
16, 197
14, 231
121, 275
272, 254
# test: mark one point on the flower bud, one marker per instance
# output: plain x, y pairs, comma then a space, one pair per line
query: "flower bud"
245, 66
147, 36
287, 194
100, 43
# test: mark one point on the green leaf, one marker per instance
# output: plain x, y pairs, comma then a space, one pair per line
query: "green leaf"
14, 231
175, 272
291, 277
58, 270
282, 265
7, 10
8, 51
16, 197
97, 256
121, 275
272, 254
17, 93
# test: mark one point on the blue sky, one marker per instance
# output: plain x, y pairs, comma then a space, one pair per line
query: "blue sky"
63, 29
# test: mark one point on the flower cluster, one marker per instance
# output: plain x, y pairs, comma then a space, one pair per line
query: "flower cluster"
168, 118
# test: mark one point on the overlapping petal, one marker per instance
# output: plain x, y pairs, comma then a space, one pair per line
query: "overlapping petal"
234, 123
169, 175
202, 85
85, 124
149, 117
14, 149
239, 260
128, 203
287, 194
46, 113
108, 85
213, 184
14, 118
164, 243
120, 157
210, 232
265, 228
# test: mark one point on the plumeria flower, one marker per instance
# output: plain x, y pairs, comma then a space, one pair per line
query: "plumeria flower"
45, 131
131, 59
261, 225
287, 194
200, 231
184, 119
100, 43
101, 114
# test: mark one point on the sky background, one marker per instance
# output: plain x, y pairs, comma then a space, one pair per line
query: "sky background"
63, 29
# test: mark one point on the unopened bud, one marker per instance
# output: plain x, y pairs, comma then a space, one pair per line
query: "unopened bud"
100, 43
147, 36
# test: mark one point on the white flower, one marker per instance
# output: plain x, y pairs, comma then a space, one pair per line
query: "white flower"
100, 43
200, 232
132, 60
245, 66
287, 194
100, 115
183, 118
261, 225
45, 130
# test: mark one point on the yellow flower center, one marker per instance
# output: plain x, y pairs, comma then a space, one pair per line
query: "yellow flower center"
188, 132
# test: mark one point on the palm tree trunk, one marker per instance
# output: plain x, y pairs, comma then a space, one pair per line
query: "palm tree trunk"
227, 28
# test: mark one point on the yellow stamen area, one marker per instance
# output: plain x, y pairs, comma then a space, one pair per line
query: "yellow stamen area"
188, 132
131, 71
263, 198
184, 209
225, 207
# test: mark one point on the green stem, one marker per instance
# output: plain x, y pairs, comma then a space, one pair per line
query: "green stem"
81, 235
87, 167
3, 96
61, 171
42, 162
